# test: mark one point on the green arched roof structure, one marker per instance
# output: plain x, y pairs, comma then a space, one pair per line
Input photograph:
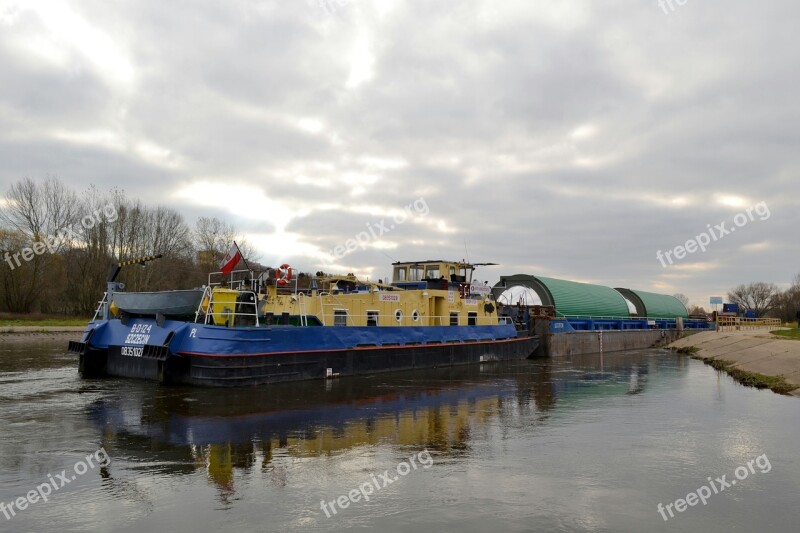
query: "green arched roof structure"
571, 298
656, 305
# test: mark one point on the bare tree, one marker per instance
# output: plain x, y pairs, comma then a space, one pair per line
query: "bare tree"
697, 310
788, 302
40, 210
84, 235
761, 297
39, 214
683, 298
213, 238
17, 282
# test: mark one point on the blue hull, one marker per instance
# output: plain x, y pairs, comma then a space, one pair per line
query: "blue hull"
198, 354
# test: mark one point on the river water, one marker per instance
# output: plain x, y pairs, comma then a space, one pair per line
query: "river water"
577, 444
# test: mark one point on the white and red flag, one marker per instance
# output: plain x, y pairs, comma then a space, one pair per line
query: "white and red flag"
233, 257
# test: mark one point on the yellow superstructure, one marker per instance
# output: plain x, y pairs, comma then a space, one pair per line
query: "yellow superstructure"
428, 293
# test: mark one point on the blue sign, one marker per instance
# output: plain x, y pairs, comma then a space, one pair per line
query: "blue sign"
716, 300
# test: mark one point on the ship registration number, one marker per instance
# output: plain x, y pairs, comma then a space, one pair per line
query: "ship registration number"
140, 334
132, 351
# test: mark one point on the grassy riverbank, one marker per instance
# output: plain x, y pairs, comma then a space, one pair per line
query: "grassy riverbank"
750, 379
793, 334
753, 358
27, 321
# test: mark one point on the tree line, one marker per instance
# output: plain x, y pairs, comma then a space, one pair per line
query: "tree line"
765, 299
57, 247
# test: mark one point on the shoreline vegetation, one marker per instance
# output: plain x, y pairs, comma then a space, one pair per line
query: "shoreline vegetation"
19, 327
18, 320
748, 379
727, 362
793, 334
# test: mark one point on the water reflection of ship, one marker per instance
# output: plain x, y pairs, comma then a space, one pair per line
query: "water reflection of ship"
222, 431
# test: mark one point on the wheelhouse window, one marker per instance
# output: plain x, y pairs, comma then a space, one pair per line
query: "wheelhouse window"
453, 319
399, 273
472, 318
432, 272
372, 318
340, 317
415, 273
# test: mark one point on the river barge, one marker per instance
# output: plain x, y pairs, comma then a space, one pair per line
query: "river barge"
252, 329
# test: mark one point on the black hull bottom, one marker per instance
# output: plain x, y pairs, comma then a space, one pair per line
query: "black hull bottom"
233, 371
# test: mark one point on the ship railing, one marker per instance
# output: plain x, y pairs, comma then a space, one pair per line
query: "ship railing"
301, 307
246, 305
206, 308
609, 317
101, 305
337, 304
652, 322
207, 292
291, 286
236, 279
392, 319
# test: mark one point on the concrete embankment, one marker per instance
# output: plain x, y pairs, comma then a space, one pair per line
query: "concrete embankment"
751, 357
592, 342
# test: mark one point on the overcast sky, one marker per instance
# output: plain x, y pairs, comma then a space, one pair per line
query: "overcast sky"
570, 139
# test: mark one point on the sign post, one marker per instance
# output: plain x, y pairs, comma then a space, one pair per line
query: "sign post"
715, 301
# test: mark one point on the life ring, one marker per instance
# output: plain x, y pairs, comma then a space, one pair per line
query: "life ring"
284, 275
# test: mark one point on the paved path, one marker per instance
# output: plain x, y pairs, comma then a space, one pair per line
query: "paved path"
752, 350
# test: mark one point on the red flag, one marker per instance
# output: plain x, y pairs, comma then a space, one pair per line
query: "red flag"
233, 257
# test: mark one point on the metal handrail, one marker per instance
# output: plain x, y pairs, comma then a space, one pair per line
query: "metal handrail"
206, 290
231, 281
210, 309
100, 305
301, 307
406, 318
738, 323
616, 317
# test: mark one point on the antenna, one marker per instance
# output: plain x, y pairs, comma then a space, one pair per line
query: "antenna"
389, 256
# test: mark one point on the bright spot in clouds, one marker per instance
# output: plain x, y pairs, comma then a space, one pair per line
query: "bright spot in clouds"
240, 200
311, 125
361, 64
66, 29
732, 201
583, 132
